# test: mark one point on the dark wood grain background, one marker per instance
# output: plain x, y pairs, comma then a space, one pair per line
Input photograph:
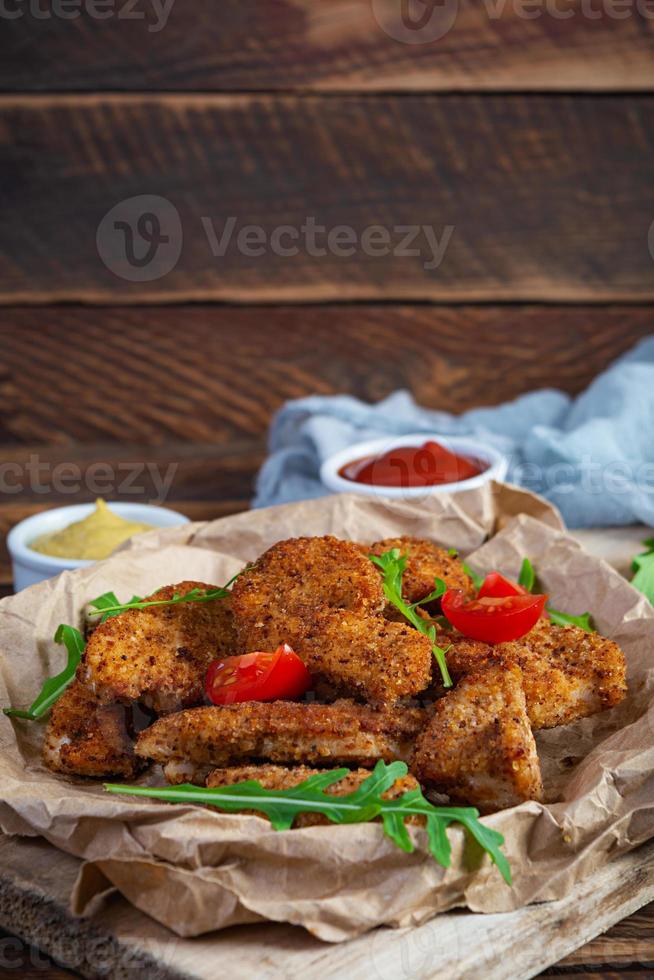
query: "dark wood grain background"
531, 137
333, 45
549, 197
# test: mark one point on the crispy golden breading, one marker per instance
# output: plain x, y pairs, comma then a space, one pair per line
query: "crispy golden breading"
567, 673
85, 738
478, 747
426, 561
276, 595
279, 777
464, 656
282, 731
367, 656
159, 655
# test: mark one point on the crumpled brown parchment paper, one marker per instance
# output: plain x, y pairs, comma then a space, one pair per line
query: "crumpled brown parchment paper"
196, 870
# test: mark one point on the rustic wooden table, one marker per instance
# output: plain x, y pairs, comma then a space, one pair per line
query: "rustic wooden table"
36, 879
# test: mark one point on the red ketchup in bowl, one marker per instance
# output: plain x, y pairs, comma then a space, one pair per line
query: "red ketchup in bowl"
412, 466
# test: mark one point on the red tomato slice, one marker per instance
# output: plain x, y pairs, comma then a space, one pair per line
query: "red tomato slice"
257, 677
496, 586
493, 620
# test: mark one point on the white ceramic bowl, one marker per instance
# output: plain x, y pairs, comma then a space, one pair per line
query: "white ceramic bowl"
31, 566
496, 465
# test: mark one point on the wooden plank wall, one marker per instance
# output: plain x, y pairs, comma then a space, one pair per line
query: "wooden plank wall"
524, 143
331, 45
545, 198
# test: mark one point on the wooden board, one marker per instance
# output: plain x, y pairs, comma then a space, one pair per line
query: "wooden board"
330, 45
213, 376
36, 881
545, 197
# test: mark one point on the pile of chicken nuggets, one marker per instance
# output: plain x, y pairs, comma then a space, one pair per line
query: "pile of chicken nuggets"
377, 692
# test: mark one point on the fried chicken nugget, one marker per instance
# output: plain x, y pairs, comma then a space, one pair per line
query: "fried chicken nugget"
479, 748
426, 561
160, 655
85, 738
567, 672
367, 656
279, 777
275, 596
282, 731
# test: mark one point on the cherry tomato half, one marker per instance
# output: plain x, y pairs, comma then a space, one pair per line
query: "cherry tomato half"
496, 586
258, 677
493, 620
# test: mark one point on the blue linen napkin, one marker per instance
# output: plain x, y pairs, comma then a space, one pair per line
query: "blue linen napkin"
592, 456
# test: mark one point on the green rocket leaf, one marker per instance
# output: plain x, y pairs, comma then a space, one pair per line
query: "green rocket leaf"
364, 804
393, 565
643, 566
55, 686
108, 605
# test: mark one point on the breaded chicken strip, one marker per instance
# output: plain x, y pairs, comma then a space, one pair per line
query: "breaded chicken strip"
160, 655
567, 673
279, 777
367, 656
292, 581
426, 561
479, 748
282, 731
84, 738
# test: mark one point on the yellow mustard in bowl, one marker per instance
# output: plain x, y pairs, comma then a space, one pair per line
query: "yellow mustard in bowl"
94, 538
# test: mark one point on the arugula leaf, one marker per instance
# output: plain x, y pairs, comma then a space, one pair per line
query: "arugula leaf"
527, 577
584, 621
393, 565
109, 606
477, 580
360, 806
438, 593
527, 580
643, 566
55, 686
